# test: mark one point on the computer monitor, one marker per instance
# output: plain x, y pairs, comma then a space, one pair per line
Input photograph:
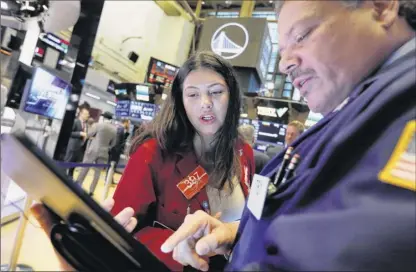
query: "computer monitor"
142, 111
123, 108
48, 95
269, 132
142, 92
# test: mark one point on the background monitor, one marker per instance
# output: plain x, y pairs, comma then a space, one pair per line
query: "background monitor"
48, 95
142, 111
123, 108
161, 73
142, 92
268, 132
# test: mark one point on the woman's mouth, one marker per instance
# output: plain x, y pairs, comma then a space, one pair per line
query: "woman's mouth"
207, 119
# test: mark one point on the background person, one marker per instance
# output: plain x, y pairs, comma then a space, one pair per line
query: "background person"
260, 159
103, 139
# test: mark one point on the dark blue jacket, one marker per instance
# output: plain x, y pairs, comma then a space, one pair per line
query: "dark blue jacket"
336, 213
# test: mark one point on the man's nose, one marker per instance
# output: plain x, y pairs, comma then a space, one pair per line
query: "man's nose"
288, 63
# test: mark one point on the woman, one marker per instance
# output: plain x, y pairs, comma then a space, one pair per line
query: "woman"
197, 127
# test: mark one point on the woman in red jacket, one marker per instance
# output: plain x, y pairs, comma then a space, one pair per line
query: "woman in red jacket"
190, 157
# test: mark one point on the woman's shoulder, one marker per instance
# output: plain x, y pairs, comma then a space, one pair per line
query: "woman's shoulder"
149, 149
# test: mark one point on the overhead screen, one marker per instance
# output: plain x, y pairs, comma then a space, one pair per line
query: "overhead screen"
48, 95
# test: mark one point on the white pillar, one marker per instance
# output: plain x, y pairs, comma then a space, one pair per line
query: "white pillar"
29, 44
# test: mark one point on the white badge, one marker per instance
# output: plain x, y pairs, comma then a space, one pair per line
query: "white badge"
257, 196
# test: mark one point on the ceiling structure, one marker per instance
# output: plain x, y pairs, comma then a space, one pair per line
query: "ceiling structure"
231, 5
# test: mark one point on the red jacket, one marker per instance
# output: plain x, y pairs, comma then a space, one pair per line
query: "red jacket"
149, 181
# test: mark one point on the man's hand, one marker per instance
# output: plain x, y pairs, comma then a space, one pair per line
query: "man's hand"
83, 134
47, 220
199, 237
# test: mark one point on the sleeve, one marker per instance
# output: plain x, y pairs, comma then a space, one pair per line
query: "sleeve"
74, 133
135, 188
93, 131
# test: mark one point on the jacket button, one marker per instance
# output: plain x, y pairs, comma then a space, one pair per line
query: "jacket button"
272, 250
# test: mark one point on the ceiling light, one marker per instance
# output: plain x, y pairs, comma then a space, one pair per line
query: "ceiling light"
4, 5
93, 96
203, 2
44, 7
111, 103
271, 1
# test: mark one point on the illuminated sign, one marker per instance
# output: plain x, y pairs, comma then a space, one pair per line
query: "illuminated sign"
222, 45
55, 42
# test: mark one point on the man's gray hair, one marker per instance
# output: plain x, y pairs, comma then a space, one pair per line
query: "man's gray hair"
407, 9
247, 132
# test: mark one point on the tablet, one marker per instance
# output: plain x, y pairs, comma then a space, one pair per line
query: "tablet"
39, 176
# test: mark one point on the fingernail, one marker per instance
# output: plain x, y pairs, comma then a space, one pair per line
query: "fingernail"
165, 248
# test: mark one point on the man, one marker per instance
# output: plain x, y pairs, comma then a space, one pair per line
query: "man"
260, 159
78, 139
104, 138
293, 131
350, 204
121, 139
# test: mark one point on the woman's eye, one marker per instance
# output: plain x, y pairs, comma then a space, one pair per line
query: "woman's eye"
218, 92
192, 95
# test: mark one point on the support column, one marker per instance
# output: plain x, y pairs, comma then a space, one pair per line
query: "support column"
198, 9
82, 43
247, 8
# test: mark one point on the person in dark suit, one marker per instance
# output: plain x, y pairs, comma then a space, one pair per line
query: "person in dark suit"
260, 159
77, 141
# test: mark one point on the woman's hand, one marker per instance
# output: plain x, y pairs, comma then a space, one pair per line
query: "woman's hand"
48, 220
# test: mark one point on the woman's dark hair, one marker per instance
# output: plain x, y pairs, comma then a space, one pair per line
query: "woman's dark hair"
175, 133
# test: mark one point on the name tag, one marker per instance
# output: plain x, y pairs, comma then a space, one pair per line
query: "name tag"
257, 196
193, 183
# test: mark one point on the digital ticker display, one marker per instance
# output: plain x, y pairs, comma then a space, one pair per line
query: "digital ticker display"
143, 111
123, 108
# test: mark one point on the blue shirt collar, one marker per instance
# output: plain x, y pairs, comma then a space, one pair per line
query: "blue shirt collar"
403, 50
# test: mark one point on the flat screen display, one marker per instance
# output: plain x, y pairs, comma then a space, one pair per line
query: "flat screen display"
48, 95
123, 108
121, 92
142, 93
268, 132
161, 73
142, 111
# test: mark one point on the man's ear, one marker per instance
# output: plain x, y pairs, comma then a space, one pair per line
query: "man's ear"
386, 11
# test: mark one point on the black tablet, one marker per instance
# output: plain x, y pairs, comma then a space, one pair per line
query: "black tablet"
39, 176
